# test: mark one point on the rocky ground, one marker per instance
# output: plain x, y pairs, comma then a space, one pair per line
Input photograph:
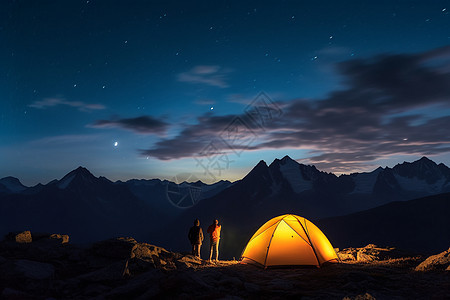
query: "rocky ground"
44, 266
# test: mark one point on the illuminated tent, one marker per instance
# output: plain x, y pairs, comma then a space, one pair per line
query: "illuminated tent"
288, 240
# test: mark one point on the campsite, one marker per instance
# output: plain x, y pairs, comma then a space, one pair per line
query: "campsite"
44, 266
224, 149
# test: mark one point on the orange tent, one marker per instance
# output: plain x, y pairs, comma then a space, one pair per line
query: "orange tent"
288, 240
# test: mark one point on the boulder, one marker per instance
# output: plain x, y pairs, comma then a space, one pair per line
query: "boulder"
348, 254
439, 261
20, 237
61, 238
280, 284
371, 253
34, 269
138, 265
26, 269
9, 293
365, 296
145, 251
117, 248
188, 261
368, 253
251, 287
112, 273
146, 283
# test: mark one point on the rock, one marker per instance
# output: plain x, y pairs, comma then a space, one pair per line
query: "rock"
95, 290
366, 296
280, 284
144, 251
144, 284
184, 282
34, 269
151, 293
62, 238
229, 282
20, 237
9, 293
372, 253
363, 256
114, 272
138, 265
118, 248
439, 261
188, 261
368, 253
251, 287
26, 269
347, 254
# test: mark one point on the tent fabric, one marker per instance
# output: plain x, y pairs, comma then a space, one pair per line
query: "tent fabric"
288, 240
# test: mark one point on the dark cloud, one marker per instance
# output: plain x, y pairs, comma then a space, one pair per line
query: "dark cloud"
143, 124
208, 75
59, 101
195, 139
391, 105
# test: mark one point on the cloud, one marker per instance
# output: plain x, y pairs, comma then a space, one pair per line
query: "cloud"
209, 75
52, 102
65, 139
192, 139
396, 104
205, 102
142, 124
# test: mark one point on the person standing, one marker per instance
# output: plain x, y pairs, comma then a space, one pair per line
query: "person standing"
214, 237
196, 238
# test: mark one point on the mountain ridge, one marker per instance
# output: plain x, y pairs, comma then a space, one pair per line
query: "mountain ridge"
142, 208
403, 167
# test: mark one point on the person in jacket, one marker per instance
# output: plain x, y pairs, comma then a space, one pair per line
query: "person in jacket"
214, 237
196, 238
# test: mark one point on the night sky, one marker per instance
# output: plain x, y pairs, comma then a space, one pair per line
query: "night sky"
152, 89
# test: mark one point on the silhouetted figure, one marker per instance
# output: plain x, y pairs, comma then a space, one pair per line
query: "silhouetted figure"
196, 237
214, 237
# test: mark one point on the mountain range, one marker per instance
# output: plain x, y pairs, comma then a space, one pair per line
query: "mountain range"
92, 208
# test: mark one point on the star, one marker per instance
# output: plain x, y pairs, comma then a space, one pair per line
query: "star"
212, 107
116, 144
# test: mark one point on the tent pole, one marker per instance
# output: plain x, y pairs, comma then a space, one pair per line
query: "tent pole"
268, 246
310, 241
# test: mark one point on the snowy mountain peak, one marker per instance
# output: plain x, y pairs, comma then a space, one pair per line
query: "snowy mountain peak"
422, 169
